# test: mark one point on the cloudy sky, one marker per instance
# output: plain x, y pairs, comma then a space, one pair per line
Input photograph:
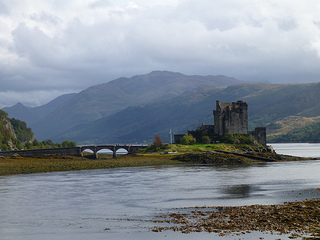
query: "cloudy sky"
52, 47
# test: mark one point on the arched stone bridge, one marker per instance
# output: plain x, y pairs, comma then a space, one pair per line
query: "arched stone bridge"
73, 151
113, 148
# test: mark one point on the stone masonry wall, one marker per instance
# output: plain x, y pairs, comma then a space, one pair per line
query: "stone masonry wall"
75, 151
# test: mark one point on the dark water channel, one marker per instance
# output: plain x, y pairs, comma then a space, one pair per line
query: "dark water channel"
88, 204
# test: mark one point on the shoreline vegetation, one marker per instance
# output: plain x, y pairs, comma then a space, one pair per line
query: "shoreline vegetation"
296, 219
166, 154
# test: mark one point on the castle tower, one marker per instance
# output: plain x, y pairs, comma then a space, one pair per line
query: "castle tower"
231, 118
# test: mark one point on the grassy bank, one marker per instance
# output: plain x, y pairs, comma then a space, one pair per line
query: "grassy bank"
22, 165
195, 148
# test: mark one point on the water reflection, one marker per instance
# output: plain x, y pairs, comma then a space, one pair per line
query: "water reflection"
237, 191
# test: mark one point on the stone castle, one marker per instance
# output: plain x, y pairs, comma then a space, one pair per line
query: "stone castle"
229, 118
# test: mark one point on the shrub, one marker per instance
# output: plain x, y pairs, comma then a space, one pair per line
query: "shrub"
237, 139
28, 145
187, 139
205, 140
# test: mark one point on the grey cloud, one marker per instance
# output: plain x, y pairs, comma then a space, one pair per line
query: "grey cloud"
43, 17
317, 24
3, 9
100, 3
75, 48
287, 24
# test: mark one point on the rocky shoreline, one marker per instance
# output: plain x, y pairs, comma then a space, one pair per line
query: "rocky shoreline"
235, 157
294, 218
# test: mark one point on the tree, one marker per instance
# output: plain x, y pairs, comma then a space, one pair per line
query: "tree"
205, 140
67, 143
187, 139
35, 143
21, 130
48, 143
157, 140
28, 145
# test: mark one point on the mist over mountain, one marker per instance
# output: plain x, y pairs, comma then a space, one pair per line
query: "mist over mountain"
103, 100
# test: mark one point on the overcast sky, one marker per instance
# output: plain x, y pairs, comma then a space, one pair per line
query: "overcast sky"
52, 47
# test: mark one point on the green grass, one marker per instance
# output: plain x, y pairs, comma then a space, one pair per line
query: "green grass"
21, 165
194, 148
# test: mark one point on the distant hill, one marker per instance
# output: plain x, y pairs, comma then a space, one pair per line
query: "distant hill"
103, 100
34, 114
289, 124
267, 103
308, 133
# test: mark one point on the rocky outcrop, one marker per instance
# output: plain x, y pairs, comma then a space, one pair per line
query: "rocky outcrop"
9, 126
8, 133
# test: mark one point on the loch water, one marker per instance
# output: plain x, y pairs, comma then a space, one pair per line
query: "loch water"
92, 204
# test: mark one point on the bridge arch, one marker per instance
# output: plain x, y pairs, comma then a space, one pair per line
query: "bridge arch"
106, 147
122, 150
105, 151
90, 150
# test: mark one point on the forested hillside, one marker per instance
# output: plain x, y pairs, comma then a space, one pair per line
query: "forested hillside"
23, 132
13, 132
309, 133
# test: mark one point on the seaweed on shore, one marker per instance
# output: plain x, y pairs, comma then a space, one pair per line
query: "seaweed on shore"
234, 158
295, 218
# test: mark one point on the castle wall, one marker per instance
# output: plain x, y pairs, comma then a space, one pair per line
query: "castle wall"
260, 135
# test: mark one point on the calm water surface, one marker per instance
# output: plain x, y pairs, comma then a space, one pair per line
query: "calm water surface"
298, 149
88, 204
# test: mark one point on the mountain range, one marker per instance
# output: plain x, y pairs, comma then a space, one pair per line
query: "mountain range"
96, 102
133, 110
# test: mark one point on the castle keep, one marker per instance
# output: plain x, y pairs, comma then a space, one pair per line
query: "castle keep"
229, 118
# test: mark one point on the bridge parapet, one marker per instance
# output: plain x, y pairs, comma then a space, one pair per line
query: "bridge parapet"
72, 151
